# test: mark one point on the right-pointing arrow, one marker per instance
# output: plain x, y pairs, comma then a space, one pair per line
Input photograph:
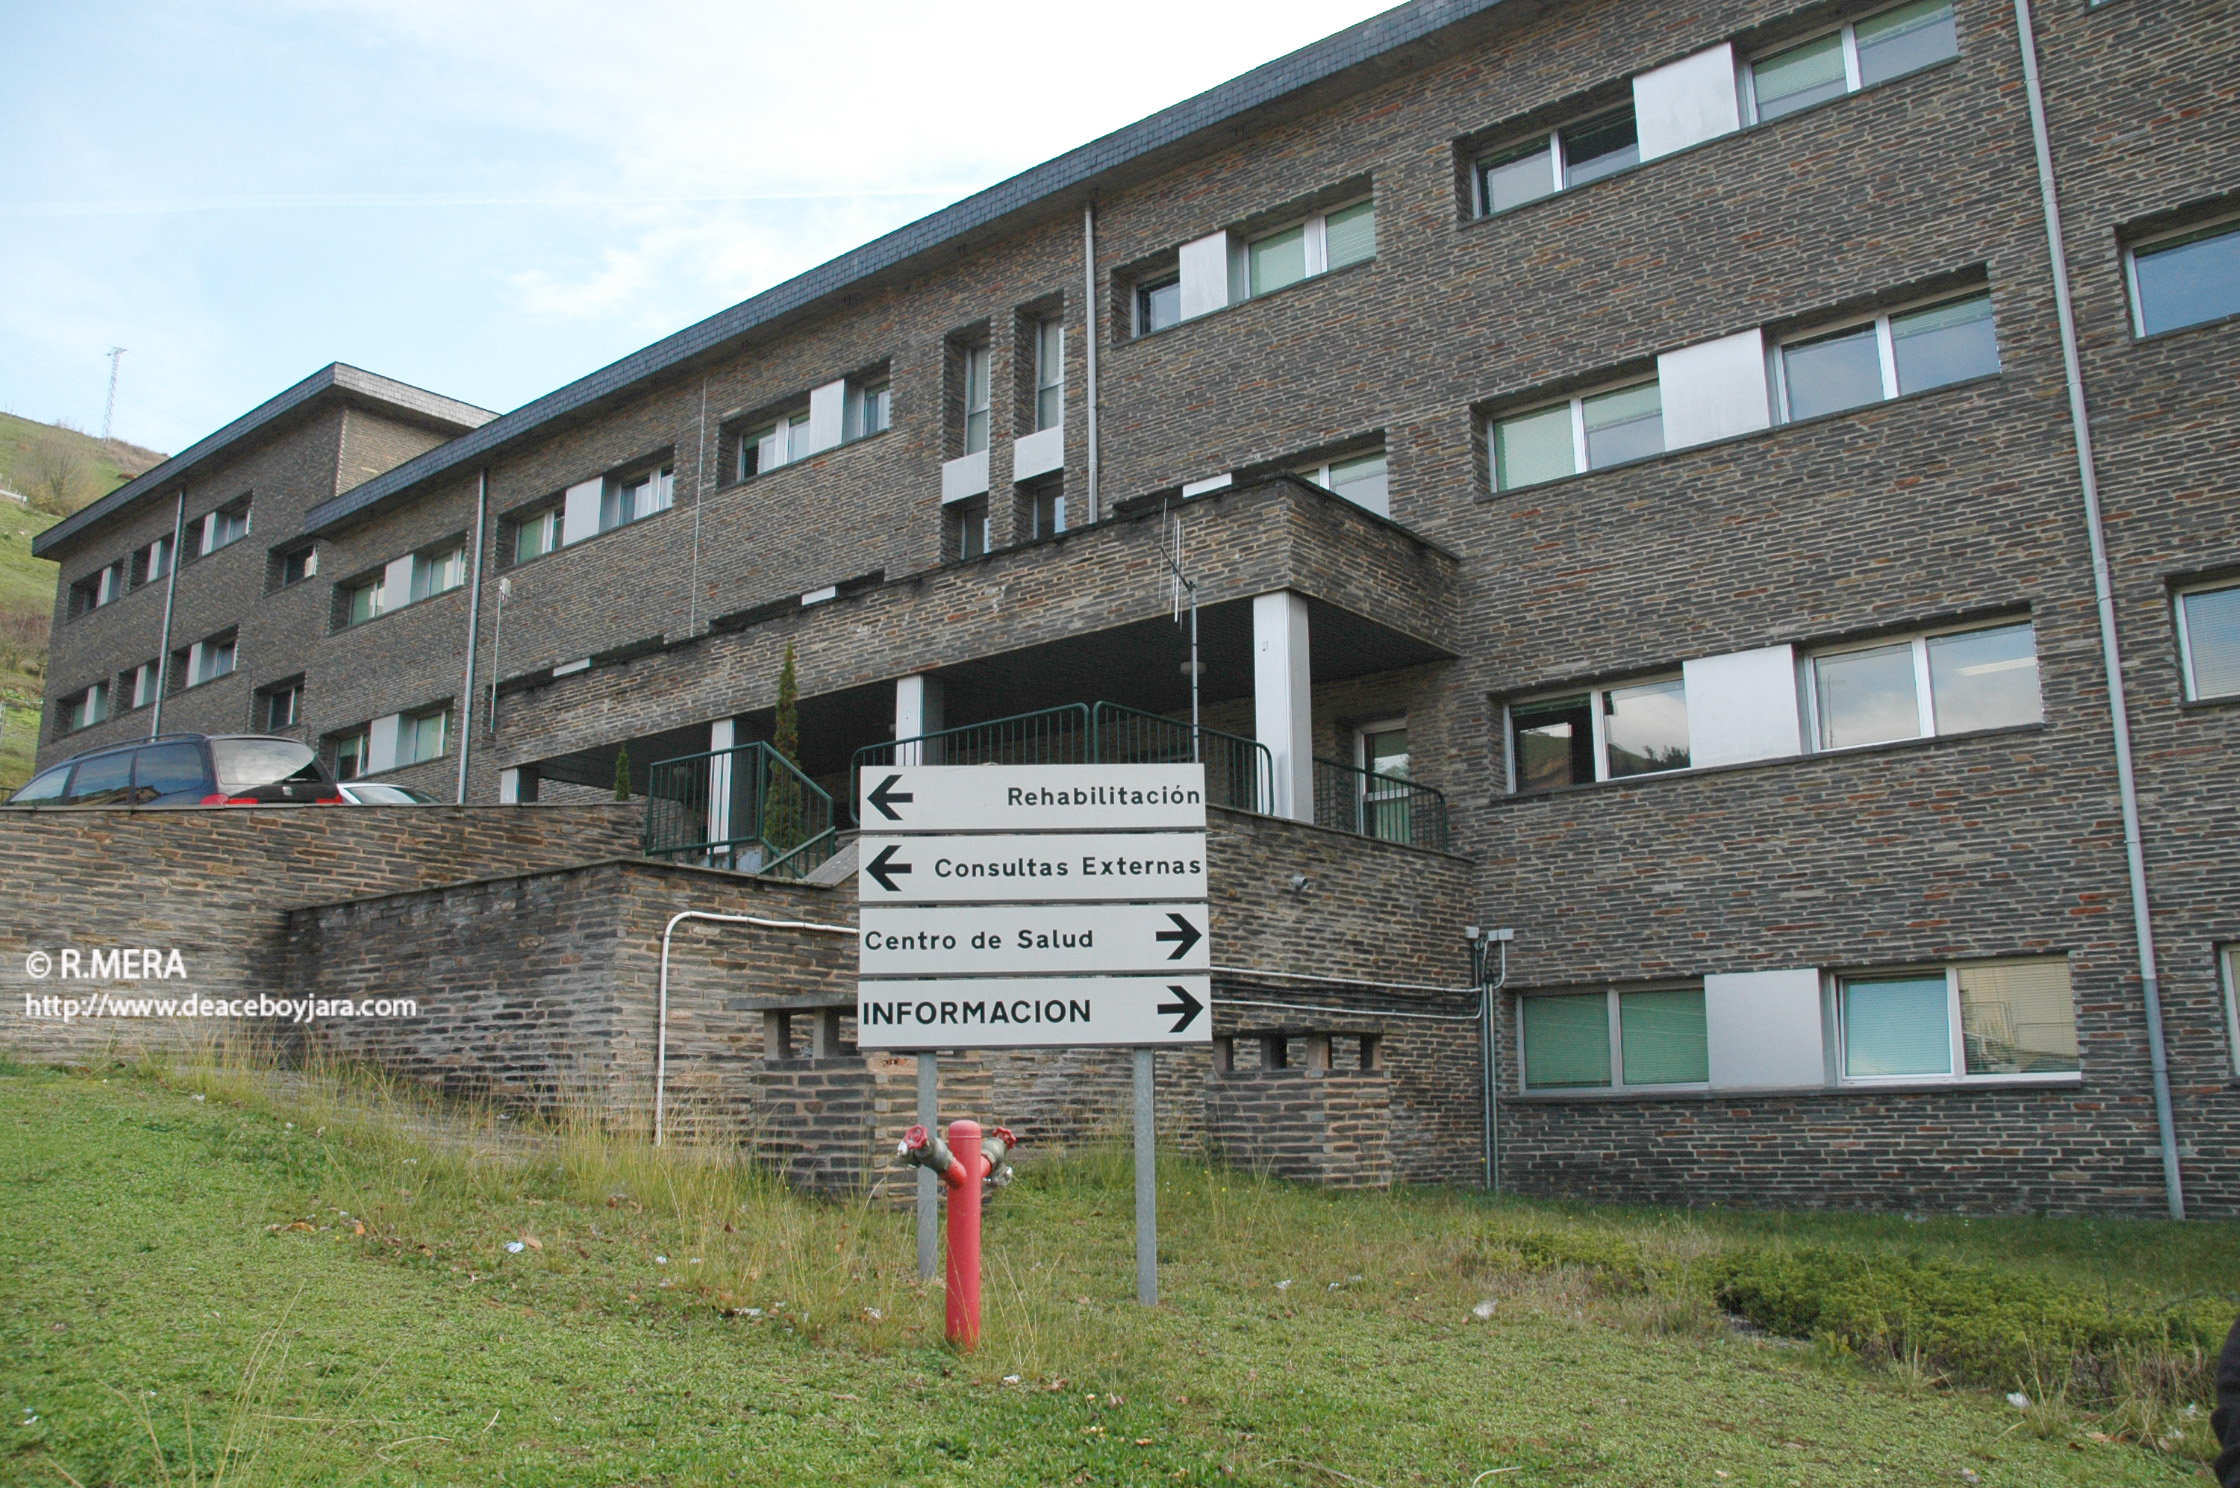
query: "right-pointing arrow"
1183, 931
884, 864
1189, 1007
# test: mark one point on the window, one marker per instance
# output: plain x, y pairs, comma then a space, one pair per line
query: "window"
536, 534
1889, 356
977, 362
869, 409
1049, 373
1385, 807
219, 529
1986, 1018
208, 660
2187, 279
152, 562
87, 708
969, 527
280, 706
423, 736
363, 600
47, 787
1360, 479
97, 589
137, 687
168, 770
771, 445
1584, 433
1599, 734
2209, 640
1556, 161
1922, 686
1158, 304
2229, 960
104, 780
1043, 505
1325, 241
350, 751
294, 565
1599, 1040
438, 571
1856, 55
631, 498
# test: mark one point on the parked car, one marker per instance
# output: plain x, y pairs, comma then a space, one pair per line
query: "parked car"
186, 770
377, 793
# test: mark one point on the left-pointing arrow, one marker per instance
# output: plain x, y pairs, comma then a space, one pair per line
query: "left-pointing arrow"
886, 797
1189, 1007
1183, 931
884, 865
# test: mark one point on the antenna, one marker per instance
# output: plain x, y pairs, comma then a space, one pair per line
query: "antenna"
109, 414
1181, 585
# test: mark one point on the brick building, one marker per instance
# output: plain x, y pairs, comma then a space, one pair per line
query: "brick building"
1632, 447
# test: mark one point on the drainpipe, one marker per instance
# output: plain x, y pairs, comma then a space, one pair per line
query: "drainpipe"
1091, 329
170, 593
474, 627
2103, 591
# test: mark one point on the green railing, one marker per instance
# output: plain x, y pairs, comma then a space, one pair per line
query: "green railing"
748, 808
1388, 807
1052, 736
1240, 773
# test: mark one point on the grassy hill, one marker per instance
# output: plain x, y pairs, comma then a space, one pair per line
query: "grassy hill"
60, 469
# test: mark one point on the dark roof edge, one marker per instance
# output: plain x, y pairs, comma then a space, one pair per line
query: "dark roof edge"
1316, 63
335, 376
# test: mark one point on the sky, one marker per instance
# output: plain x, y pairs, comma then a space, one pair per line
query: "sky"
491, 198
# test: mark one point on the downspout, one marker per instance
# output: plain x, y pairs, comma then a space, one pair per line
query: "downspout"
2103, 589
1091, 330
699, 499
474, 626
170, 593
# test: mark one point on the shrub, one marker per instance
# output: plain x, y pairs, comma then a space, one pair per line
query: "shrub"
1975, 1324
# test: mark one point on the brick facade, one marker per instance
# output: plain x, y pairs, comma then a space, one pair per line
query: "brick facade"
1963, 501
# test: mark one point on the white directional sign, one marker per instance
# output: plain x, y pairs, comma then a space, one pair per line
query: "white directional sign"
1032, 1012
968, 940
1031, 867
1032, 798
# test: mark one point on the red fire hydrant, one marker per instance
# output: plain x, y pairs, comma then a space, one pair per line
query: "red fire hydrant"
968, 1161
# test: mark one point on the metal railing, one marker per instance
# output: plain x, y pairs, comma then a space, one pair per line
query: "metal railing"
1387, 807
1240, 773
748, 808
1051, 736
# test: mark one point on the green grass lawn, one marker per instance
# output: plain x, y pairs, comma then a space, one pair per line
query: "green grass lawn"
26, 591
196, 1290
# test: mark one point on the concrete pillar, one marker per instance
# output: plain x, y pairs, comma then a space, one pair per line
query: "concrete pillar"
1282, 699
722, 734
917, 712
509, 787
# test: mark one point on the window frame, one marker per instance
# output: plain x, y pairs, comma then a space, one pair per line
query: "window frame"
2188, 685
1319, 473
2216, 226
408, 725
2228, 967
1597, 726
1853, 74
1924, 701
626, 493
1613, 1000
1549, 141
547, 518
1144, 290
1048, 378
272, 692
1314, 248
1956, 1072
1886, 352
966, 517
362, 737
77, 704
424, 567
1577, 403
375, 584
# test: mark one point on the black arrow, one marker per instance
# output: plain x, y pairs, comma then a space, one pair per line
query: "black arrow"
1183, 931
1189, 1007
884, 864
885, 796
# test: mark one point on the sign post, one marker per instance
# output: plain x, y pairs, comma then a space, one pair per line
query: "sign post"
1036, 906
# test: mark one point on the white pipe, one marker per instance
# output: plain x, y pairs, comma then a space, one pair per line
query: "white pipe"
170, 592
474, 628
1091, 329
661, 1035
2103, 590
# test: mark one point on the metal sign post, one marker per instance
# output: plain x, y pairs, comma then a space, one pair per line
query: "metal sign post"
1036, 906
